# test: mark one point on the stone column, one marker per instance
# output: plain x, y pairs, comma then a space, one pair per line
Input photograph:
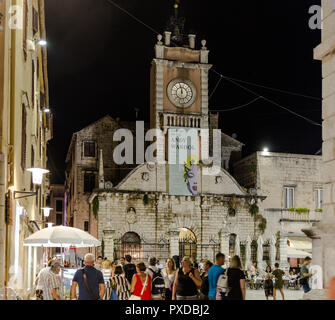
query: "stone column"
283, 264
273, 242
109, 244
174, 243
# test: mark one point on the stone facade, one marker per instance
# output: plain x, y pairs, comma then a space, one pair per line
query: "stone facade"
323, 234
24, 132
268, 174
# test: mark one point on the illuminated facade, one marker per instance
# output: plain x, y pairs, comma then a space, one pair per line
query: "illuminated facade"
24, 132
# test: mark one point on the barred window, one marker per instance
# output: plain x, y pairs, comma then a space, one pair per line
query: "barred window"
288, 197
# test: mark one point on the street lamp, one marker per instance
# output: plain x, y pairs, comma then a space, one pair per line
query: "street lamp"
46, 211
42, 42
37, 176
46, 110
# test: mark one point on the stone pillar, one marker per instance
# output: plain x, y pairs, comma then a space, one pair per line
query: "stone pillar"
283, 264
174, 243
191, 39
273, 242
109, 244
167, 38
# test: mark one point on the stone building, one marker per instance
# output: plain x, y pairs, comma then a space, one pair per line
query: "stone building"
56, 202
25, 129
139, 215
83, 165
323, 234
293, 189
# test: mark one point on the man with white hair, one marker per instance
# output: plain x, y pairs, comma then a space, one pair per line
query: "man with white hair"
90, 281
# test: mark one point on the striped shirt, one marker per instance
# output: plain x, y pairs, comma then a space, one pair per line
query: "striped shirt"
122, 287
49, 281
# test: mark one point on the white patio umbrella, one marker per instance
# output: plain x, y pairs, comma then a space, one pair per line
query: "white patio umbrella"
61, 236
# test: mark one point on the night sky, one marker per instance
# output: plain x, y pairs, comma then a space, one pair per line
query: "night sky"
99, 63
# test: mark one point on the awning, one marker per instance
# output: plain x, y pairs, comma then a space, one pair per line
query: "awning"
295, 253
301, 243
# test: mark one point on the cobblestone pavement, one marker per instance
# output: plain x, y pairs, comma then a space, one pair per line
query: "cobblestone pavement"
289, 295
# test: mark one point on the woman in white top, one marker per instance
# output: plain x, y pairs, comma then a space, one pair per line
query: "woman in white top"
169, 273
107, 272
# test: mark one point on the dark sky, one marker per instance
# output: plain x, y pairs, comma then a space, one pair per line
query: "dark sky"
99, 60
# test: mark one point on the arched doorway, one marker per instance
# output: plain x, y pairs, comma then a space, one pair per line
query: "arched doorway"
131, 245
187, 244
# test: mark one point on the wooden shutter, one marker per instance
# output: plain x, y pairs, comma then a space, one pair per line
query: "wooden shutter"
35, 21
24, 138
25, 23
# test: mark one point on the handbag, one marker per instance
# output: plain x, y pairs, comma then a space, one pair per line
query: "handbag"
132, 297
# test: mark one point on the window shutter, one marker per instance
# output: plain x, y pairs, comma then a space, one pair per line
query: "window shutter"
25, 23
291, 197
285, 198
35, 21
24, 138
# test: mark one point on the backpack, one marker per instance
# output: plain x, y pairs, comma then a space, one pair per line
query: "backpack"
222, 284
158, 283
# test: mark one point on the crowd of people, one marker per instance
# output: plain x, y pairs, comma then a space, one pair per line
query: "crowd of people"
103, 279
273, 280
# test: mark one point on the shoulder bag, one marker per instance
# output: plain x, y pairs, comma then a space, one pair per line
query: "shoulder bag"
132, 297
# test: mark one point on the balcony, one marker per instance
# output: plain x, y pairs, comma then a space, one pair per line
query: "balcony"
294, 216
178, 120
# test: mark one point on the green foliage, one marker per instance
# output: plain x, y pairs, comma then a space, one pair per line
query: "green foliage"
145, 199
301, 210
262, 225
253, 209
298, 210
318, 210
95, 204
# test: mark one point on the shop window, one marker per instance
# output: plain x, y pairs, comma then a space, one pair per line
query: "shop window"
89, 149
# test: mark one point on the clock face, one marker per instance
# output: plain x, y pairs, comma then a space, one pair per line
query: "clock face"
181, 92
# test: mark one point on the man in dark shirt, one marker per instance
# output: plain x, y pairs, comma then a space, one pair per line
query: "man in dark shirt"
95, 287
305, 274
129, 268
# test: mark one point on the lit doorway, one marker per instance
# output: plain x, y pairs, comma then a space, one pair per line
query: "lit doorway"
187, 244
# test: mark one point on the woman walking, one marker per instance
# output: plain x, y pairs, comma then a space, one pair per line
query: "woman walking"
204, 277
107, 272
169, 274
141, 283
236, 280
278, 274
120, 284
268, 283
187, 282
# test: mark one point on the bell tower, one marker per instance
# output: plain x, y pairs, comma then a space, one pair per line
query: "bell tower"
179, 80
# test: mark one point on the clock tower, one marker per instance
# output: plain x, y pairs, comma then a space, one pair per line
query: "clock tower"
179, 82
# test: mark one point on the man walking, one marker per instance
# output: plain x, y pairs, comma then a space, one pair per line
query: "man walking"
49, 282
129, 268
304, 271
158, 284
214, 273
90, 281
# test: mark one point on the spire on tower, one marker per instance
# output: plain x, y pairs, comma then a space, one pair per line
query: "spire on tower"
176, 26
